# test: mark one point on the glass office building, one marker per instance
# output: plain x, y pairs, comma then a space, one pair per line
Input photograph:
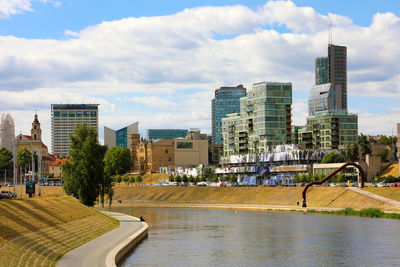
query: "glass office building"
264, 120
64, 118
154, 134
321, 70
324, 97
226, 101
329, 129
120, 137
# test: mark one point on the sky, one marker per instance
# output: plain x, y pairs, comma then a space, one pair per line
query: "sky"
159, 62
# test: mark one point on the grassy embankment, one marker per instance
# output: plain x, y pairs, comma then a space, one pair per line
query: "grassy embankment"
331, 197
370, 212
38, 231
388, 192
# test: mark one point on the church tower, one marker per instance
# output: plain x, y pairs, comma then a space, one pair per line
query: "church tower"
36, 132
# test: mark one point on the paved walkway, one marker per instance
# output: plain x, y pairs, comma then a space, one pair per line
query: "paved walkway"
386, 200
94, 253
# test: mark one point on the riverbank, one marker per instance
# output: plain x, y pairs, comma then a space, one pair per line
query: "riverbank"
39, 231
325, 198
109, 249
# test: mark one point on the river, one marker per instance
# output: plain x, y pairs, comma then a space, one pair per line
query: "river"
207, 237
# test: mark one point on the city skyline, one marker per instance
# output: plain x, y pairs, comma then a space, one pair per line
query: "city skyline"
161, 67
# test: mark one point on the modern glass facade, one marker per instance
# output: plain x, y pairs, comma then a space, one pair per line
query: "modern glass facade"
154, 134
329, 129
121, 137
321, 70
64, 118
226, 101
324, 97
264, 120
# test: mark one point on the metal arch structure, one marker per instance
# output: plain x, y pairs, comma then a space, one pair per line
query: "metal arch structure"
361, 172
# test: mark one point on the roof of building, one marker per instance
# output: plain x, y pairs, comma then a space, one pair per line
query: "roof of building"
58, 162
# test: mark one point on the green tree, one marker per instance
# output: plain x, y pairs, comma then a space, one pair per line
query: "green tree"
118, 179
351, 153
191, 179
297, 178
365, 146
6, 161
24, 158
117, 160
84, 174
178, 179
384, 154
214, 179
389, 141
171, 178
139, 179
125, 178
233, 178
185, 179
333, 157
203, 178
110, 194
132, 179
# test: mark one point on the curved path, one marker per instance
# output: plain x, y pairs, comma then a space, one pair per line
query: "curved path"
386, 200
95, 252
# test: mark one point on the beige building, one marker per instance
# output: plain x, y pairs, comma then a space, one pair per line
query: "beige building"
149, 156
55, 167
34, 143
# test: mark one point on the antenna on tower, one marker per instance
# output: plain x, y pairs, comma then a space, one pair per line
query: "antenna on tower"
330, 32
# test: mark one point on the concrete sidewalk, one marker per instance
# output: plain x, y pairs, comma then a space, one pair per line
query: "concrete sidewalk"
95, 252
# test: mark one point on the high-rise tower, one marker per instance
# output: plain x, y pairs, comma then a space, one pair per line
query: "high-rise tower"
337, 70
226, 101
64, 118
7, 131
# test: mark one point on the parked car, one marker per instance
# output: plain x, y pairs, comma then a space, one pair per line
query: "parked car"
354, 185
201, 184
344, 185
7, 194
383, 185
333, 184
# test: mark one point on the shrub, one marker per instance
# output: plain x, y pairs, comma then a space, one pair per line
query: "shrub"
371, 212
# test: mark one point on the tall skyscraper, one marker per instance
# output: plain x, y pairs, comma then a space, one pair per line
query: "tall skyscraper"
64, 118
337, 69
121, 136
226, 101
329, 125
7, 131
264, 120
331, 70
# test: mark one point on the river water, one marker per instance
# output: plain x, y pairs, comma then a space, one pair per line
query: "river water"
206, 237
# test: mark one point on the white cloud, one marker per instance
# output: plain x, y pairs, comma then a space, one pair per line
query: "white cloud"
160, 61
12, 7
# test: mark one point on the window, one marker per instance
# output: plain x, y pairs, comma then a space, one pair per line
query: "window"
166, 151
184, 145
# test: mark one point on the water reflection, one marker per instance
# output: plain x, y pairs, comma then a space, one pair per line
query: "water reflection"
201, 237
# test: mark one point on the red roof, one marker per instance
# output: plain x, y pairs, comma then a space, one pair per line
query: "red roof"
58, 162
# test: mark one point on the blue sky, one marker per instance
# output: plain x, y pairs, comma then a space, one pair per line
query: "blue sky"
51, 20
158, 62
